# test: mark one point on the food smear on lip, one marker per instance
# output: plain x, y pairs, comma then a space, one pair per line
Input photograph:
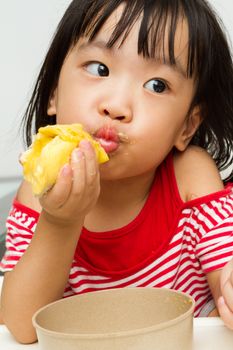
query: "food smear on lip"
108, 138
51, 150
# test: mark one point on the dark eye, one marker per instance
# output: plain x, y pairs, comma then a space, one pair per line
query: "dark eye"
98, 69
155, 85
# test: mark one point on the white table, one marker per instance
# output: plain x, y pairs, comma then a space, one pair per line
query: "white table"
209, 334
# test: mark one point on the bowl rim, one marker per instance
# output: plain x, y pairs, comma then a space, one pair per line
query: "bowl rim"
117, 334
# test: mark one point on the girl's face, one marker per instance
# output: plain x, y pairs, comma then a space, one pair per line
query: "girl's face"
136, 107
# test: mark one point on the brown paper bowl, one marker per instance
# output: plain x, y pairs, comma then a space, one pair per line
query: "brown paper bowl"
117, 319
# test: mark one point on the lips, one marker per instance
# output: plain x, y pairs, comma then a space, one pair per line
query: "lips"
108, 139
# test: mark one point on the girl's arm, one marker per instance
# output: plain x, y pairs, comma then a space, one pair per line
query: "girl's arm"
198, 176
39, 277
41, 274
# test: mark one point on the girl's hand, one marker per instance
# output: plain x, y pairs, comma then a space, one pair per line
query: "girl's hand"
225, 302
77, 188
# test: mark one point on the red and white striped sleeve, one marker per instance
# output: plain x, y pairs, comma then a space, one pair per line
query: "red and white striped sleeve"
20, 225
215, 247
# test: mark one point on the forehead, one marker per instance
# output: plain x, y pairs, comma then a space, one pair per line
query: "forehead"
163, 39
161, 44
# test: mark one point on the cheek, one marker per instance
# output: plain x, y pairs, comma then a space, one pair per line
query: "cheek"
72, 106
157, 131
153, 144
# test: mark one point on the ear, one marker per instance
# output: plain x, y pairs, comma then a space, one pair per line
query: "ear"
52, 105
190, 126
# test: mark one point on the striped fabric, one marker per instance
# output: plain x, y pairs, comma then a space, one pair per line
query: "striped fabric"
202, 242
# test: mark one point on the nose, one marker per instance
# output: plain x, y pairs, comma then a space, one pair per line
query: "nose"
117, 106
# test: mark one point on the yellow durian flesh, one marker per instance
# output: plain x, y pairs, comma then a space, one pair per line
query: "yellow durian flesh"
50, 150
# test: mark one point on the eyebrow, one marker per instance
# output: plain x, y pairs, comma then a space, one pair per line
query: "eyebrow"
177, 66
96, 44
100, 44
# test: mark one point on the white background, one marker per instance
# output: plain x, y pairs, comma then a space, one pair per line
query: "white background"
26, 28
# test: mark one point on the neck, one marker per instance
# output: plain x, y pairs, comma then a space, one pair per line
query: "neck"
125, 191
119, 202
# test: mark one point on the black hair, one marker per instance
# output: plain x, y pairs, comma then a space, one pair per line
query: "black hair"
209, 60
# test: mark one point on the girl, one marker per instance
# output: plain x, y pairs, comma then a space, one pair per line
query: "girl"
152, 81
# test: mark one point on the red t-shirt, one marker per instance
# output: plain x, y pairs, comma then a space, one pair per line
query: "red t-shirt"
168, 244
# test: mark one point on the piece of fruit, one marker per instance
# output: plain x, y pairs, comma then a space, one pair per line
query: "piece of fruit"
50, 150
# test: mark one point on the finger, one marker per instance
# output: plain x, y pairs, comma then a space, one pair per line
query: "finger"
91, 162
59, 194
78, 167
227, 291
225, 313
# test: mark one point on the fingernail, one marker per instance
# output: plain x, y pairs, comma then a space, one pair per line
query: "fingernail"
65, 170
221, 301
85, 144
77, 155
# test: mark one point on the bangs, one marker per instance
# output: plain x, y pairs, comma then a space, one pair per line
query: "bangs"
159, 20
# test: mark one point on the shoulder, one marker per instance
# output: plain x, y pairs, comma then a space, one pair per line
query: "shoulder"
196, 173
25, 196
